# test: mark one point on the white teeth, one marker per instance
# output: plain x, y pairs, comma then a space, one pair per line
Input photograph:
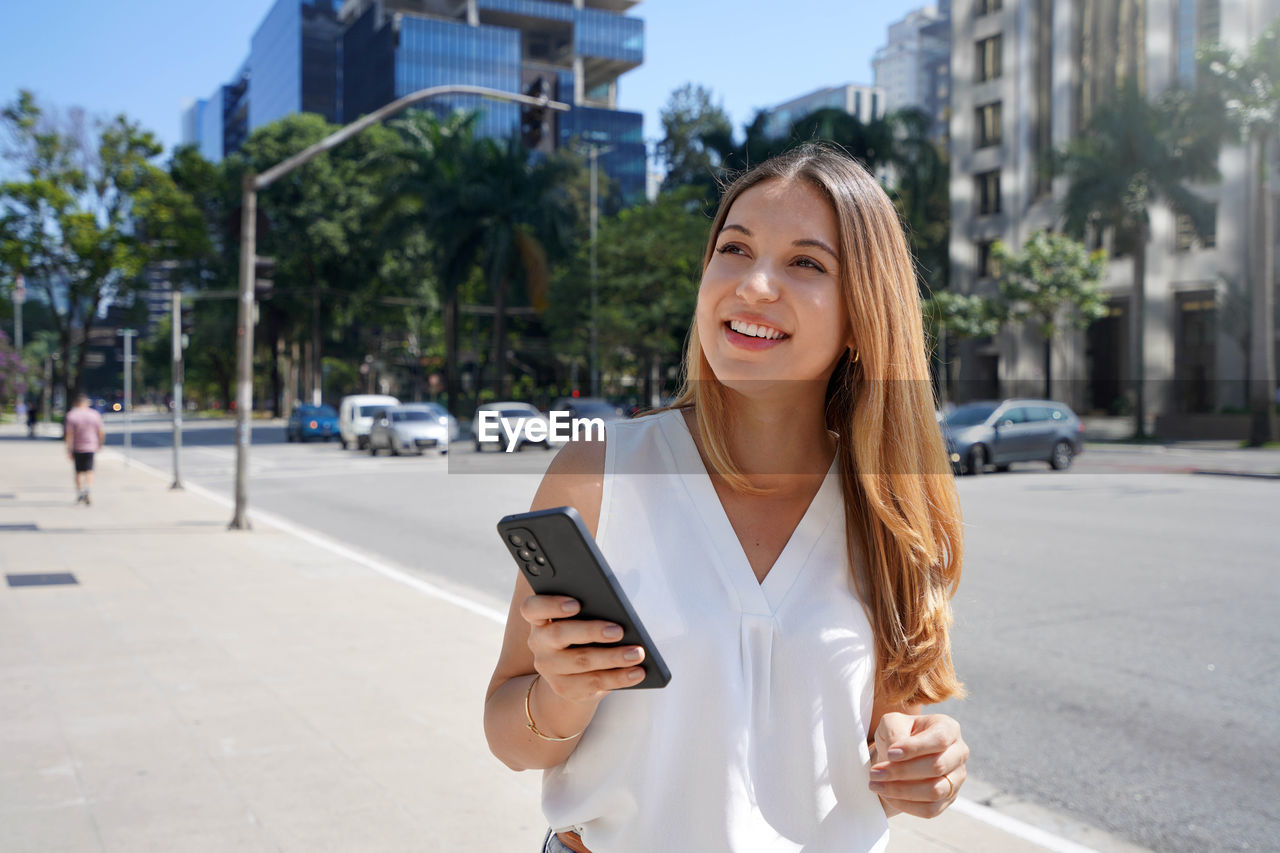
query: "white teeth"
755, 331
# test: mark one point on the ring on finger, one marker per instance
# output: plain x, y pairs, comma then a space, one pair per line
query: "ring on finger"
951, 786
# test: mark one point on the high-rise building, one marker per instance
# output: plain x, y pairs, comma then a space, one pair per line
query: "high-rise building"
293, 62
864, 102
913, 69
1027, 75
311, 56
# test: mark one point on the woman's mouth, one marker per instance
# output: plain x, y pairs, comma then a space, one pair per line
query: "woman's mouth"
753, 336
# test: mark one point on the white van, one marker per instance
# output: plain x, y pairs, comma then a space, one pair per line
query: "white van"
355, 417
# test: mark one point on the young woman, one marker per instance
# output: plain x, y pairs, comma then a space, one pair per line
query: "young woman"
788, 532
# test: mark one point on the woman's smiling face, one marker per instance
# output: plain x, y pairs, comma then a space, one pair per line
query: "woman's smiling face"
770, 306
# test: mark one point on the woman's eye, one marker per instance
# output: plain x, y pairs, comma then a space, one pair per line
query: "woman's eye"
727, 248
810, 262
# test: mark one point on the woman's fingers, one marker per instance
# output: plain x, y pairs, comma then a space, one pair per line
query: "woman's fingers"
902, 736
573, 655
924, 767
580, 660
543, 608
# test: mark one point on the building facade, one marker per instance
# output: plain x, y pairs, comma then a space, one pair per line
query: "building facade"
1027, 74
913, 69
866, 103
344, 62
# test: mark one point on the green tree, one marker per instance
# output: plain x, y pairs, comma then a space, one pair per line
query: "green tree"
649, 263
1054, 282
79, 216
689, 119
958, 317
483, 202
1249, 84
320, 229
1135, 153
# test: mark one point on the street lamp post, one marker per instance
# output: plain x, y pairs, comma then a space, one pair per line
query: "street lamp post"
128, 335
178, 370
250, 186
595, 151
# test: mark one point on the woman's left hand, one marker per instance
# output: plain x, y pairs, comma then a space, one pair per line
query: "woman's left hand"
918, 763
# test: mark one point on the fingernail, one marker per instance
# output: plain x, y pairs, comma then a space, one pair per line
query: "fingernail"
877, 786
569, 607
635, 675
613, 632
879, 774
634, 654
895, 754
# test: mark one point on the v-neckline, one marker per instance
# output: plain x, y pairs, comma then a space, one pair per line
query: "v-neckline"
758, 596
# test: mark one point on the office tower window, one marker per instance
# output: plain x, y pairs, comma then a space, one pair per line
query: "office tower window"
1042, 128
1185, 237
987, 190
988, 121
987, 266
986, 7
989, 58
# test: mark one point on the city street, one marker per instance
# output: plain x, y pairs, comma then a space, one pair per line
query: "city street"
1115, 623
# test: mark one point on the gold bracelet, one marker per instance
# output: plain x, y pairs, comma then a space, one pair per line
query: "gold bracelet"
529, 715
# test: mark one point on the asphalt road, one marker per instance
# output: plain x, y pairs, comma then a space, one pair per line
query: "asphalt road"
1115, 625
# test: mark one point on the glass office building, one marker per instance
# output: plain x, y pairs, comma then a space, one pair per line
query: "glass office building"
312, 56
293, 62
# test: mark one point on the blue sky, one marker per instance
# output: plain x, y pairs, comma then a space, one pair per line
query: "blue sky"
144, 57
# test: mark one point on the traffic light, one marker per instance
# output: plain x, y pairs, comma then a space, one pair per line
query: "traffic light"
264, 270
187, 323
532, 118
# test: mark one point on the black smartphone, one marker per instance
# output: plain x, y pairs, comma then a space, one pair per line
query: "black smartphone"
558, 556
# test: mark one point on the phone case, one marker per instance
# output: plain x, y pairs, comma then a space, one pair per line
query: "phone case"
558, 556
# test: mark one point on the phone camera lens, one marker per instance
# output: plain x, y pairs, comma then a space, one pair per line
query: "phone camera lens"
532, 569
540, 560
533, 546
525, 555
517, 540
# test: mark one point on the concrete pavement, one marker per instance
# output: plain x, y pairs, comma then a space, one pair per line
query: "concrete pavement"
198, 689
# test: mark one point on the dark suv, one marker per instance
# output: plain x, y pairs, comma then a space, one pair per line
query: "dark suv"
1000, 432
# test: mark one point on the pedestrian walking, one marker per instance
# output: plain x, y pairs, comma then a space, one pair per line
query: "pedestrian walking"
85, 434
789, 533
33, 413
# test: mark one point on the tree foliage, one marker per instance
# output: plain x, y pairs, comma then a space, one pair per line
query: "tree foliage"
87, 212
1054, 282
1136, 153
648, 267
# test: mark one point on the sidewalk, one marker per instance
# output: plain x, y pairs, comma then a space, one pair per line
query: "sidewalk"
1109, 436
203, 690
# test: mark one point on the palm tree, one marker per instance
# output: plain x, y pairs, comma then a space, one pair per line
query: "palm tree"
511, 216
1133, 154
481, 202
1250, 87
423, 173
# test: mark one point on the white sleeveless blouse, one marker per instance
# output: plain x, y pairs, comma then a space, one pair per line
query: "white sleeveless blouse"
759, 741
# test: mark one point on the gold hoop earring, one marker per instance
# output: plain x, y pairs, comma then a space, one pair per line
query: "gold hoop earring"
856, 355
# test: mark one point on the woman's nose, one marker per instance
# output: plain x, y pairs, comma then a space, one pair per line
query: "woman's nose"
758, 285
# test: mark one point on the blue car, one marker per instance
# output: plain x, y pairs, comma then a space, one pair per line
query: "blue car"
311, 422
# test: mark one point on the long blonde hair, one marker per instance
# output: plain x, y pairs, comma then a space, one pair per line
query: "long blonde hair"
902, 513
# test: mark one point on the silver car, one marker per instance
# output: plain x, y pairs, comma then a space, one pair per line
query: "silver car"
1005, 431
411, 428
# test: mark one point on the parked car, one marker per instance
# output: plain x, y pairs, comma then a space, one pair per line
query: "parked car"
589, 407
513, 414
355, 417
311, 422
410, 428
1001, 432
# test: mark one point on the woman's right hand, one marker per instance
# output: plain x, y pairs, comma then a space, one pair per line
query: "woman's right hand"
564, 656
